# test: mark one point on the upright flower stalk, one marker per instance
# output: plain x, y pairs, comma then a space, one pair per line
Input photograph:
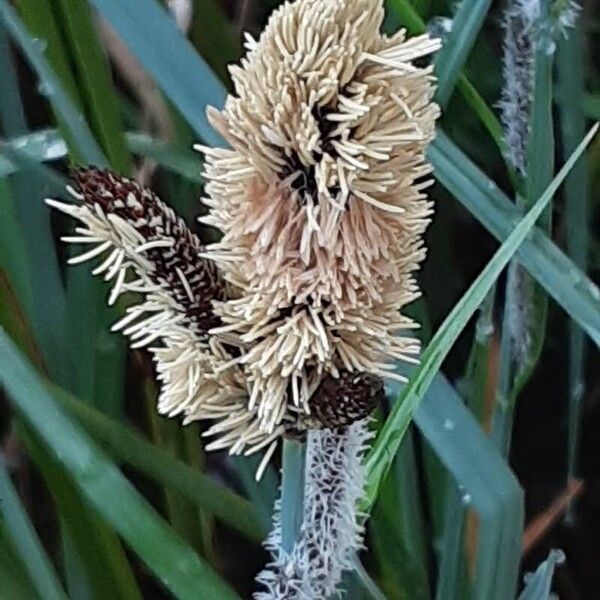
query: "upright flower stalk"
331, 532
527, 29
287, 325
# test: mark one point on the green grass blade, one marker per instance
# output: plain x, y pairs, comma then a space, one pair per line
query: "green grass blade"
180, 72
48, 145
103, 562
62, 104
215, 37
452, 568
391, 434
26, 542
12, 114
485, 483
262, 494
561, 278
450, 60
36, 274
79, 584
46, 306
539, 584
104, 487
39, 17
358, 584
168, 435
570, 62
408, 16
41, 146
540, 146
478, 367
397, 531
13, 253
484, 113
126, 445
54, 181
16, 584
185, 163
13, 319
95, 82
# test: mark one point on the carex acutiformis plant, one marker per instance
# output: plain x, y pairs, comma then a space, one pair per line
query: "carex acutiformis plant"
291, 321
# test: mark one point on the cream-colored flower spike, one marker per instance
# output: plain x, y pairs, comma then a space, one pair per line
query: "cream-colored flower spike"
142, 246
321, 199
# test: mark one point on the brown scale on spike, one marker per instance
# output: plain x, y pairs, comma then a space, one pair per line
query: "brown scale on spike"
349, 398
339, 402
193, 281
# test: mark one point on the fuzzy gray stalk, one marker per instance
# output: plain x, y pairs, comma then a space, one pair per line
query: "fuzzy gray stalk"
331, 532
524, 31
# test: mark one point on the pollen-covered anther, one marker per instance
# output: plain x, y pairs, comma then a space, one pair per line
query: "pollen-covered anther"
322, 200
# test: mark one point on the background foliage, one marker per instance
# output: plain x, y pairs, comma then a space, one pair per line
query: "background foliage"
499, 466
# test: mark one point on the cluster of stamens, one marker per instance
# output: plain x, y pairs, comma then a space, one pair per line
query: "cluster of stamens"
293, 318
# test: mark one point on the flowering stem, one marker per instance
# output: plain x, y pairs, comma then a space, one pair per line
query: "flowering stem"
292, 492
572, 121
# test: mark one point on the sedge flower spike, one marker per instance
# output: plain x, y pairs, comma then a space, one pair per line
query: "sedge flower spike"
321, 200
144, 247
331, 532
290, 321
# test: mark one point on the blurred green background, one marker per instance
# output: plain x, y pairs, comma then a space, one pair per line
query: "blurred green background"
102, 498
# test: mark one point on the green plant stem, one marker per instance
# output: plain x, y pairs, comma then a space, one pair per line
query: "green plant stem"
570, 62
292, 492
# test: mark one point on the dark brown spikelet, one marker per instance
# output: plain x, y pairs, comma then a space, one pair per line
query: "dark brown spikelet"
339, 402
193, 281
